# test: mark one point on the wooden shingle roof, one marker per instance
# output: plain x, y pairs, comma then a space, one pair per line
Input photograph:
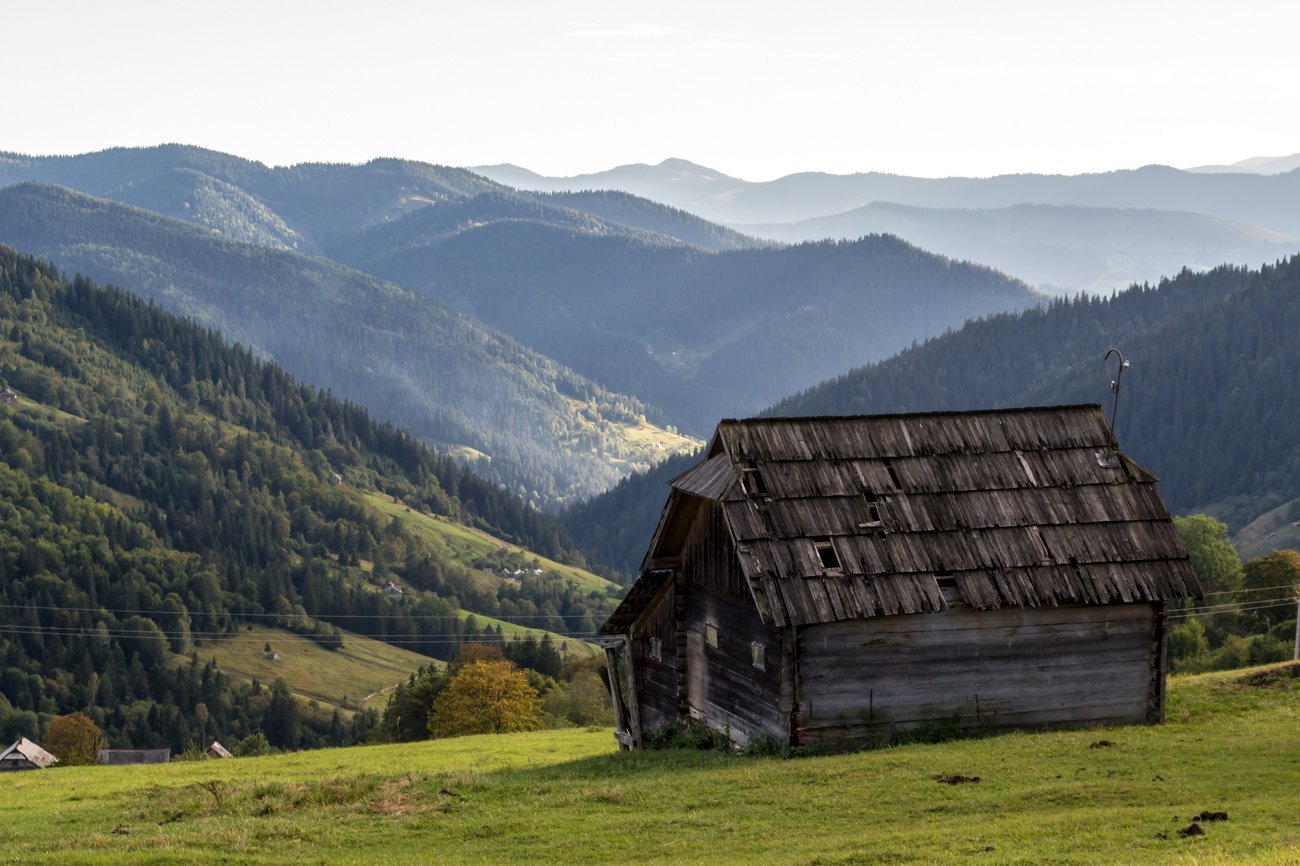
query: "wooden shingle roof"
841, 518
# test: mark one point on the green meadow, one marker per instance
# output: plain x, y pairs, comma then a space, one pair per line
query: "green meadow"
1118, 795
354, 677
468, 546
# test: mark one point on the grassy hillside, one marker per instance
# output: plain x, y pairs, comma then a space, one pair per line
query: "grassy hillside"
351, 678
475, 548
1114, 796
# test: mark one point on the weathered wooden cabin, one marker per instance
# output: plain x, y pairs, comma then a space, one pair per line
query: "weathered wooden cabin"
25, 755
839, 580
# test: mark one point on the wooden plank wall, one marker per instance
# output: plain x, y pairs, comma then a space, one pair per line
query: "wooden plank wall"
722, 685
657, 679
863, 681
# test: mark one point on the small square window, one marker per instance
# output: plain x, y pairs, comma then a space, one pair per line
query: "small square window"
711, 635
656, 649
758, 654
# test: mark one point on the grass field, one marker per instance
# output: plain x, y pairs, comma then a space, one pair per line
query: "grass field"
465, 545
360, 672
569, 797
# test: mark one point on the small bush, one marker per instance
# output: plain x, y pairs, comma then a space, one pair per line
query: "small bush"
252, 746
764, 745
687, 734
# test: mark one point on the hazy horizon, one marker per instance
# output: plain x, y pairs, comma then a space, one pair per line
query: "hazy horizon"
750, 89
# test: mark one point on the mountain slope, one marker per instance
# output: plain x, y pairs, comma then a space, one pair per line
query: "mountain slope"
642, 213
160, 490
529, 422
1209, 403
628, 292
1095, 250
316, 202
700, 334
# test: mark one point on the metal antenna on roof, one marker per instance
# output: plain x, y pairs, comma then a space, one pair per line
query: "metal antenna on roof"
1114, 387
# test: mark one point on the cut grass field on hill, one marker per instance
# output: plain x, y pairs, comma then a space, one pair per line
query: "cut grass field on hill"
1118, 795
467, 546
361, 671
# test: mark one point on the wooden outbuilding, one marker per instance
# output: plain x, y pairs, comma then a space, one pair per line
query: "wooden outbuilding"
216, 750
25, 755
842, 580
117, 757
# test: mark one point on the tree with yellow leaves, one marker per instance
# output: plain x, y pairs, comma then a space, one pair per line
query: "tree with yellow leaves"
485, 697
73, 739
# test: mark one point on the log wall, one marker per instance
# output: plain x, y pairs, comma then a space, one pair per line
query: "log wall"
864, 681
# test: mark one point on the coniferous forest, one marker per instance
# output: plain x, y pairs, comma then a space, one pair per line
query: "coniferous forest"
162, 488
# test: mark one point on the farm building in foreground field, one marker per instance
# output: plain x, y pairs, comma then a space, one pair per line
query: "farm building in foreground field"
25, 755
838, 580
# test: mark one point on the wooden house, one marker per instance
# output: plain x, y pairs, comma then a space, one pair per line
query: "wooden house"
25, 755
840, 580
216, 750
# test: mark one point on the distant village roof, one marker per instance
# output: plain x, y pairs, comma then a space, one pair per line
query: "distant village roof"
848, 517
27, 755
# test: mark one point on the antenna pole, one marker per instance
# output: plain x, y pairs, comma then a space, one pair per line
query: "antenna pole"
1114, 386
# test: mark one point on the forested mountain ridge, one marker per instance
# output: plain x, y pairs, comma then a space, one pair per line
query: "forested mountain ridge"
317, 202
528, 422
1209, 403
700, 334
309, 207
1060, 233
161, 487
1060, 249
645, 300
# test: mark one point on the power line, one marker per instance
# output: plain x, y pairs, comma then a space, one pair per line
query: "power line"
1245, 608
222, 637
514, 618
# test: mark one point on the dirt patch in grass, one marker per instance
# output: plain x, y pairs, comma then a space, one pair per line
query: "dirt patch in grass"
955, 779
1279, 677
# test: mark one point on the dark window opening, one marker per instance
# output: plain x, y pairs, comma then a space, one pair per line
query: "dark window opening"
893, 476
753, 479
826, 550
945, 579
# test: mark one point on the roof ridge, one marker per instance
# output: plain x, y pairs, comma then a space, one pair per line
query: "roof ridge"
926, 414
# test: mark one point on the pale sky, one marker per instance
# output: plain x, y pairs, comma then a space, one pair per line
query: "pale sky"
755, 89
